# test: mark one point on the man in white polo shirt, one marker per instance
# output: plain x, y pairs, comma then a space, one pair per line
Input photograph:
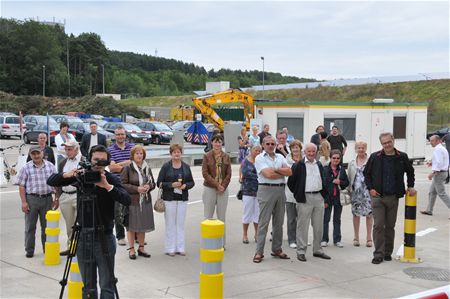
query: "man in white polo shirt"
439, 167
271, 169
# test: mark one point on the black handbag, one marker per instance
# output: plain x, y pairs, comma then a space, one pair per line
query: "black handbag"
239, 194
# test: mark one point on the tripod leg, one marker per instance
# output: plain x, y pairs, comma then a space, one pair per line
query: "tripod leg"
72, 251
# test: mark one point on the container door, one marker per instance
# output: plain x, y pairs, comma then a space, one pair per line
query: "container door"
418, 135
377, 127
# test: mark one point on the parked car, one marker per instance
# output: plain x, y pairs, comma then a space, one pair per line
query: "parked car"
68, 119
10, 126
441, 132
31, 135
160, 131
134, 133
33, 120
99, 122
182, 125
82, 128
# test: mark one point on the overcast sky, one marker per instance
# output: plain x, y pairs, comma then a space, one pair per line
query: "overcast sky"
323, 40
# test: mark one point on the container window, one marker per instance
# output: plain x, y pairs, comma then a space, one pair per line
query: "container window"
347, 126
399, 127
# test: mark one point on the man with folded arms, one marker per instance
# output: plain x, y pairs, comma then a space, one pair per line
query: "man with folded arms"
271, 169
67, 195
307, 185
36, 196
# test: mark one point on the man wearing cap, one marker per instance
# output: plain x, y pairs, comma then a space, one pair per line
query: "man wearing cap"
47, 150
67, 195
92, 138
36, 196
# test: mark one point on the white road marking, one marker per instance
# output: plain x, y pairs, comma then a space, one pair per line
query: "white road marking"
418, 234
6, 192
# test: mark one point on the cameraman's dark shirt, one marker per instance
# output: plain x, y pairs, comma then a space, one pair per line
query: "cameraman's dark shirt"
104, 199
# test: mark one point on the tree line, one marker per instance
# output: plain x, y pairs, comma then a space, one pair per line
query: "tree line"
76, 66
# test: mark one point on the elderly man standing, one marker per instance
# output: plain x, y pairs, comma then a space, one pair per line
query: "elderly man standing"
439, 167
47, 150
91, 139
271, 169
308, 186
67, 195
384, 177
120, 157
36, 196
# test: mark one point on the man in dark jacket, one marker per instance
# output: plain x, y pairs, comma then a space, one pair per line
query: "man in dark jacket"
384, 177
308, 186
98, 214
91, 139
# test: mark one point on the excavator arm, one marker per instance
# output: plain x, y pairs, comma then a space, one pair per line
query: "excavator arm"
204, 105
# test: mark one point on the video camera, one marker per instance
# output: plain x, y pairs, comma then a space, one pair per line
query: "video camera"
88, 175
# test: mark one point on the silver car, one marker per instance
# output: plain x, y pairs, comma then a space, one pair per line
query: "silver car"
10, 126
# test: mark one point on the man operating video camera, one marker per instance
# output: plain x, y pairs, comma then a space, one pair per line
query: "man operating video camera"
97, 191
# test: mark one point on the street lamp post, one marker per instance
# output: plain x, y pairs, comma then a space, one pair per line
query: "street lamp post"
262, 58
43, 80
103, 78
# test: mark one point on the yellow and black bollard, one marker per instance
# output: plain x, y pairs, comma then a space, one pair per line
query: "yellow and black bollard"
75, 285
409, 244
52, 231
211, 256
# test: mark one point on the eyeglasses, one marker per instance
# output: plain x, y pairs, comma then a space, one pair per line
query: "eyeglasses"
336, 158
120, 134
272, 144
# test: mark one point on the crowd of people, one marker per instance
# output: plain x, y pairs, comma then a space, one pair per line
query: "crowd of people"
278, 174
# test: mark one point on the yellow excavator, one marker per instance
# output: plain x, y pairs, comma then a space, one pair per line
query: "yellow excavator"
204, 105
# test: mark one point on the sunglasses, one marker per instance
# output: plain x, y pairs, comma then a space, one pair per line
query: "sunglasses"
336, 158
272, 144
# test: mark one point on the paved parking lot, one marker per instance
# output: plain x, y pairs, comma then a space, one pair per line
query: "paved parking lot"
349, 274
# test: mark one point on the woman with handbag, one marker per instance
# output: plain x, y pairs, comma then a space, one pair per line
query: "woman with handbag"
216, 171
249, 187
175, 179
137, 179
360, 197
335, 179
291, 204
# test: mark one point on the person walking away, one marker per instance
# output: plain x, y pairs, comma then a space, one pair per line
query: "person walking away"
308, 186
45, 149
291, 205
67, 195
138, 181
272, 168
337, 141
36, 196
249, 181
91, 139
384, 177
335, 180
360, 197
216, 171
439, 172
175, 179
120, 157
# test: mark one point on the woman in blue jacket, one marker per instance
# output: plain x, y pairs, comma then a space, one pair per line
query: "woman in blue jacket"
335, 179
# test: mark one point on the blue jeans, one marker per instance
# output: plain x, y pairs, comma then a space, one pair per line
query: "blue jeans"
91, 257
336, 223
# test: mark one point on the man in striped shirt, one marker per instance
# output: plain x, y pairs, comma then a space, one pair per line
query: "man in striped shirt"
120, 157
36, 196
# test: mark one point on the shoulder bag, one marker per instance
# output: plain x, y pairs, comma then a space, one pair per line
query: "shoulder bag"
159, 205
344, 195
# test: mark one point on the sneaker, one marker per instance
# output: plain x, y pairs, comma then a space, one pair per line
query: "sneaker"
122, 242
339, 244
29, 254
293, 245
323, 244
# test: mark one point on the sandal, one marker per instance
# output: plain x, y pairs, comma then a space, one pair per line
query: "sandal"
258, 258
356, 242
280, 254
143, 253
130, 255
245, 241
369, 243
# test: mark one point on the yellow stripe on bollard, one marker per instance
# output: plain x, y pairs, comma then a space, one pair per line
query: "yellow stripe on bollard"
75, 285
409, 243
52, 232
211, 256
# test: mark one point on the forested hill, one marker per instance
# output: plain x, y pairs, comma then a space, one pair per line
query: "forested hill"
74, 66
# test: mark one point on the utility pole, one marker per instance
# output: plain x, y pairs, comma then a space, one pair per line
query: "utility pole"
43, 80
103, 78
68, 66
262, 58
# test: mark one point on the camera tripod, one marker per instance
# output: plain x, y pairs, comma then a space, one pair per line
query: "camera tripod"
89, 229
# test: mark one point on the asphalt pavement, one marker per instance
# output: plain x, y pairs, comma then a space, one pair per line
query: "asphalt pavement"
349, 274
